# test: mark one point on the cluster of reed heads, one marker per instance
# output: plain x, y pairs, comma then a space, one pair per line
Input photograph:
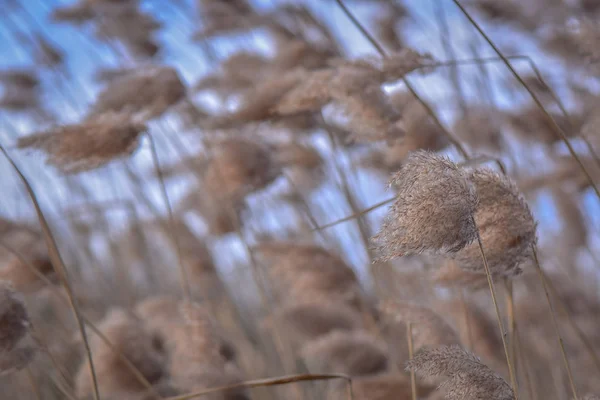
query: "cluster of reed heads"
229, 235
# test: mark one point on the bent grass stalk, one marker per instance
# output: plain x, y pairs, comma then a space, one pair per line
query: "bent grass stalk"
60, 269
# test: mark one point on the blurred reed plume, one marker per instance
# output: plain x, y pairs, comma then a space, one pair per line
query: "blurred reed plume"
260, 200
88, 145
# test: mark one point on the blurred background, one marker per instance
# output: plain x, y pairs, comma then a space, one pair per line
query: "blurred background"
255, 172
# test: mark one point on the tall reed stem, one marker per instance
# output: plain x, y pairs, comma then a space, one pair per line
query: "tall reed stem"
183, 278
555, 127
60, 269
413, 382
511, 370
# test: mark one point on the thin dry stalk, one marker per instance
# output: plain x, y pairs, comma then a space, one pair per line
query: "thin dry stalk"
413, 382
283, 380
511, 370
59, 267
557, 129
183, 278
512, 323
554, 322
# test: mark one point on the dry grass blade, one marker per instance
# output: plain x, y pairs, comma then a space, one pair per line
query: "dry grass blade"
284, 380
59, 267
557, 129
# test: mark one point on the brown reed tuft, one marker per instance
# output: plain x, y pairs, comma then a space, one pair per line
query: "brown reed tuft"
352, 353
303, 272
237, 168
89, 144
196, 360
131, 338
311, 319
149, 92
468, 378
21, 276
505, 223
428, 328
433, 209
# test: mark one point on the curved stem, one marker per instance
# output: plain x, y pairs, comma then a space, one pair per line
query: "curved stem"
557, 129
60, 269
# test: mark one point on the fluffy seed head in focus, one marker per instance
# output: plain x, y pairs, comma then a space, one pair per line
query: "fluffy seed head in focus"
433, 211
505, 223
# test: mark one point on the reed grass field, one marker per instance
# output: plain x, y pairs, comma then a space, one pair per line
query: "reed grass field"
300, 199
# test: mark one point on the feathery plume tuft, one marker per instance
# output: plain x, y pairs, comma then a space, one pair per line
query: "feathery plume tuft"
468, 378
433, 211
87, 145
505, 223
429, 329
149, 93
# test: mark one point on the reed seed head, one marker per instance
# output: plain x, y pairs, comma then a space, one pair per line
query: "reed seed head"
505, 223
433, 211
89, 144
468, 378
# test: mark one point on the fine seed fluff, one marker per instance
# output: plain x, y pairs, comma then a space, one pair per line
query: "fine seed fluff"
468, 378
505, 223
433, 211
